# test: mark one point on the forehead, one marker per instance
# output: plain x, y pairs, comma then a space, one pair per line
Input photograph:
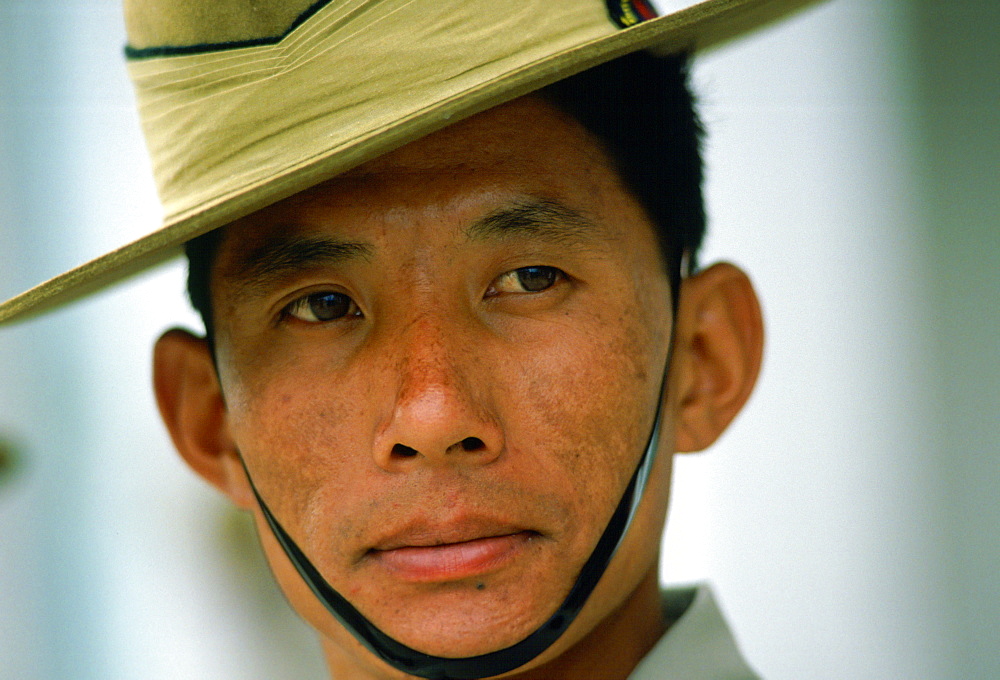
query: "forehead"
526, 147
525, 131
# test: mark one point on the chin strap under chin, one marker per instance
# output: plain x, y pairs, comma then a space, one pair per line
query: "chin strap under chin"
502, 661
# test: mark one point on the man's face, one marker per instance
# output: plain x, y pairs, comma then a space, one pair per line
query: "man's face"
441, 370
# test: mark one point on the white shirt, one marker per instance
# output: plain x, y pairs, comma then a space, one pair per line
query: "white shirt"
699, 646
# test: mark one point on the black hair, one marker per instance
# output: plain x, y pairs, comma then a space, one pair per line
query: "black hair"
200, 253
641, 109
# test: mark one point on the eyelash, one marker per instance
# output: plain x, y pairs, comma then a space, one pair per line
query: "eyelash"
345, 307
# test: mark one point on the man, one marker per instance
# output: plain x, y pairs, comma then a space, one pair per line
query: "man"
446, 366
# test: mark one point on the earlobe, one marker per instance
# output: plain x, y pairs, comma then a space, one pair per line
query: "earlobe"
718, 349
192, 407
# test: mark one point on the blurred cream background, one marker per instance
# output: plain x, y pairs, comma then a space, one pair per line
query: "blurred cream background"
849, 520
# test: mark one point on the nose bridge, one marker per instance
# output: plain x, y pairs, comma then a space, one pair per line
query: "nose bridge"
429, 366
437, 414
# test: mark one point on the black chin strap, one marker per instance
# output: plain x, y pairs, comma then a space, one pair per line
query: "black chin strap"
417, 663
502, 661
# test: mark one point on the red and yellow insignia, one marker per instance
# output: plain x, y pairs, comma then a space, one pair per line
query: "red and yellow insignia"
627, 13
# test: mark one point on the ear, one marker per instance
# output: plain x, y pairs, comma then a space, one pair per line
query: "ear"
193, 409
718, 347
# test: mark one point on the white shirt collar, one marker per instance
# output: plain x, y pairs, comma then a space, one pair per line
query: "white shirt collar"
698, 646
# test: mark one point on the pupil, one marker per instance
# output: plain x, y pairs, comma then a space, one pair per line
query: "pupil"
329, 306
535, 279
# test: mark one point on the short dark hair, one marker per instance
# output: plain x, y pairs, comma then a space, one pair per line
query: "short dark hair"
200, 253
641, 109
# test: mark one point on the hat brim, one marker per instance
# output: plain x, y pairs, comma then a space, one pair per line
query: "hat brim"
697, 27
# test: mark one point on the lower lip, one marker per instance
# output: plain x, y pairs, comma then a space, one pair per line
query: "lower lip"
453, 561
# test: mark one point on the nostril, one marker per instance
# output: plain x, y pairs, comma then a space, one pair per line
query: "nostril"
403, 451
467, 445
470, 444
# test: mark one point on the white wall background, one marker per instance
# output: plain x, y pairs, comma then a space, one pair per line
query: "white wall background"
849, 518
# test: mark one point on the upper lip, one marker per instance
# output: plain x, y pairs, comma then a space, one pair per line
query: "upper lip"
422, 533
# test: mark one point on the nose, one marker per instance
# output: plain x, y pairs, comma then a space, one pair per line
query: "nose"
438, 415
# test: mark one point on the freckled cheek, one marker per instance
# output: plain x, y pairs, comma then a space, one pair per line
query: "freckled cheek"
584, 406
298, 432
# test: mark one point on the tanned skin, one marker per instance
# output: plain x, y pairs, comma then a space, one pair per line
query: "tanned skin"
441, 369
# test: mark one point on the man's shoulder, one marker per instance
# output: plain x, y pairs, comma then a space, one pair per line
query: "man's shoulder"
698, 646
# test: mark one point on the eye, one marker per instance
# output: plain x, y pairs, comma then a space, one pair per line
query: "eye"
322, 307
525, 280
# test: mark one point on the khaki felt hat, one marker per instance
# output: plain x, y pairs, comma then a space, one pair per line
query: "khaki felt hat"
246, 102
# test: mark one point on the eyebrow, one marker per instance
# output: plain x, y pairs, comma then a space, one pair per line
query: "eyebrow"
261, 267
543, 219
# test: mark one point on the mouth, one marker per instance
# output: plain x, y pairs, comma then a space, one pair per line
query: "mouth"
446, 556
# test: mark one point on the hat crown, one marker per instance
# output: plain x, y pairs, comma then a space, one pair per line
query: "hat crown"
183, 23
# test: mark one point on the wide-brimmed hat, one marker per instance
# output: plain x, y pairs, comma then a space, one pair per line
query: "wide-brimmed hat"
246, 102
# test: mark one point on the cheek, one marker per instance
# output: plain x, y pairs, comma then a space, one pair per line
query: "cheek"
298, 431
588, 401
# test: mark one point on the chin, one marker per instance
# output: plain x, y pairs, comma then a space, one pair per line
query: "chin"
461, 620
